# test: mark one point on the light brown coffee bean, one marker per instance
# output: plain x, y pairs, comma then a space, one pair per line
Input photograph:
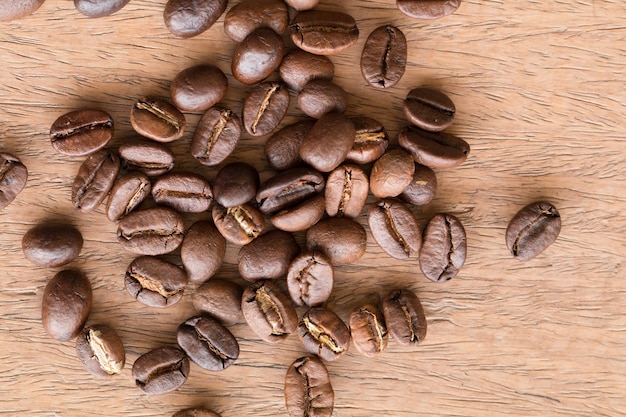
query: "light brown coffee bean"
384, 55
13, 177
347, 188
394, 228
444, 248
368, 330
308, 392
152, 231
404, 317
319, 97
257, 56
265, 107
157, 119
299, 67
532, 230
310, 279
239, 224
216, 136
155, 282
326, 152
268, 256
52, 244
342, 240
370, 143
81, 132
198, 88
202, 251
188, 18
245, 17
185, 192
282, 149
324, 334
324, 32
391, 173
428, 9
435, 150
235, 184
300, 217
147, 156
161, 370
14, 10
422, 188
288, 188
221, 299
101, 350
128, 192
429, 109
94, 179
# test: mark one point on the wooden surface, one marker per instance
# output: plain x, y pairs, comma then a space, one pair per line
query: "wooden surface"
539, 89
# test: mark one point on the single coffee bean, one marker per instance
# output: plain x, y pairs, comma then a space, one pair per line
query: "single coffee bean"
384, 55
202, 251
341, 239
265, 107
147, 156
66, 304
198, 88
208, 344
368, 330
95, 179
532, 230
308, 392
444, 248
347, 188
422, 188
302, 4
391, 173
216, 136
155, 282
183, 191
153, 231
310, 279
435, 150
324, 334
99, 8
13, 177
301, 216
249, 15
257, 56
370, 142
13, 10
161, 370
268, 311
239, 224
157, 119
128, 192
52, 245
289, 188
404, 317
268, 256
394, 228
189, 18
195, 412
319, 97
101, 351
221, 299
326, 152
323, 32
81, 132
428, 9
429, 109
236, 184
282, 149
299, 67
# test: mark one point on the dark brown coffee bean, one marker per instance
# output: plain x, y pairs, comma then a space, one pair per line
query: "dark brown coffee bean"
66, 304
394, 228
196, 412
532, 230
101, 350
216, 137
239, 224
324, 32
188, 18
319, 97
128, 192
183, 191
302, 4
155, 282
342, 240
370, 142
95, 179
429, 109
265, 107
268, 311
153, 231
299, 67
391, 173
444, 248
310, 279
422, 188
100, 8
52, 245
208, 344
161, 370
368, 331
249, 15
257, 56
326, 152
81, 132
383, 59
13, 177
157, 119
289, 188
301, 216
147, 156
268, 256
236, 184
324, 334
404, 317
347, 188
428, 9
221, 299
435, 150
198, 88
202, 251
282, 149
308, 392
14, 10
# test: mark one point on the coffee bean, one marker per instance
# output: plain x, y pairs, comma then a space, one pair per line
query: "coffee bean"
207, 343
189, 18
326, 152
428, 9
195, 412
239, 224
429, 109
14, 10
51, 245
81, 132
95, 179
347, 188
370, 142
299, 67
161, 370
282, 149
301, 216
532, 230
404, 317
221, 299
289, 188
147, 156
324, 334
99, 8
198, 88
342, 240
310, 279
444, 248
302, 4
13, 177
435, 150
155, 282
391, 173
324, 32
257, 56
307, 389
216, 136
157, 119
202, 251
394, 228
128, 192
183, 191
235, 184
422, 188
101, 351
319, 97
153, 231
384, 55
249, 15
265, 107
267, 256
368, 330
66, 304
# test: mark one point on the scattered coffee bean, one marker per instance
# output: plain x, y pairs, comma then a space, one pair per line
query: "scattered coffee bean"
429, 109
324, 334
391, 173
95, 179
532, 230
282, 149
216, 136
221, 299
161, 370
324, 32
268, 256
302, 4
81, 132
404, 317
239, 224
183, 191
249, 15
153, 231
128, 192
265, 107
207, 343
341, 239
198, 88
370, 142
188, 18
347, 188
14, 10
289, 188
257, 56
301, 216
435, 150
202, 251
299, 67
422, 188
428, 9
155, 282
394, 228
157, 119
444, 248
101, 8
384, 55
310, 279
51, 245
368, 330
195, 412
319, 97
147, 156
326, 152
13, 177
236, 184
101, 351
307, 389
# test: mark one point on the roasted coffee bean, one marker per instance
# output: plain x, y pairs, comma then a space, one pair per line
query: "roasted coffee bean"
444, 248
422, 188
239, 224
267, 256
147, 156
324, 32
299, 67
391, 173
302, 4
81, 132
249, 15
13, 177
221, 299
428, 9
289, 188
370, 142
153, 231
100, 8
265, 107
532, 230
324, 334
216, 137
155, 282
326, 152
310, 279
308, 392
202, 251
161, 370
257, 56
429, 109
195, 412
208, 344
342, 240
395, 228
368, 330
198, 88
383, 59
268, 311
319, 97
282, 149
13, 10
51, 245
404, 317
347, 188
95, 179
188, 18
66, 304
128, 192
157, 119
235, 184
435, 150
301, 216
183, 191
101, 350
